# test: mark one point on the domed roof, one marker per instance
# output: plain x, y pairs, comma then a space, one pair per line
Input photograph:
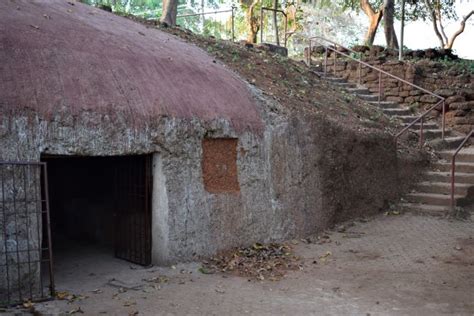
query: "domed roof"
58, 54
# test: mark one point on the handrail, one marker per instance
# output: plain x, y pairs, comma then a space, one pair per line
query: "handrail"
421, 119
318, 39
453, 166
232, 9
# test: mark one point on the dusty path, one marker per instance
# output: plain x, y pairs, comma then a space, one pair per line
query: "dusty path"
390, 265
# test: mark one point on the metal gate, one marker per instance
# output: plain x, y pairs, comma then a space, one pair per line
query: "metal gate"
133, 181
26, 265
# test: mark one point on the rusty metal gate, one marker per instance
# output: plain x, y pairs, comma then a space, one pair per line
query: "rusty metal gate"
26, 265
133, 181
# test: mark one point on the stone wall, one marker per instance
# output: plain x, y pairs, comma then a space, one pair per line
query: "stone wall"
454, 83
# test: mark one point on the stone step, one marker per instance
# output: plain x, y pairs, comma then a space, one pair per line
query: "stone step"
437, 176
433, 133
368, 97
443, 187
431, 198
385, 104
429, 125
464, 167
397, 111
405, 118
436, 210
465, 155
336, 79
447, 143
344, 85
358, 90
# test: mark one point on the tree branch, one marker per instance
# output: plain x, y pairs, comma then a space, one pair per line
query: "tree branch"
367, 8
460, 30
440, 22
434, 20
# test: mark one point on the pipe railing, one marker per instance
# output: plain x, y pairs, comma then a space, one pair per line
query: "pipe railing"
453, 168
262, 9
232, 10
334, 47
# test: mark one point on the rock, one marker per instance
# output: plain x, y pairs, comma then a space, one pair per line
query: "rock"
444, 92
455, 98
428, 98
283, 51
464, 106
360, 48
415, 92
448, 53
418, 53
467, 93
375, 50
394, 99
431, 53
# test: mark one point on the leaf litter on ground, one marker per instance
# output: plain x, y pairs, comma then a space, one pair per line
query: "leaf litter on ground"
258, 262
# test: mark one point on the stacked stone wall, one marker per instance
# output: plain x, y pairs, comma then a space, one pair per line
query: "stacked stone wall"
455, 84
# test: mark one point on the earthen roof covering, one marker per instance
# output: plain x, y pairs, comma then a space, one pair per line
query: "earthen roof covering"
58, 54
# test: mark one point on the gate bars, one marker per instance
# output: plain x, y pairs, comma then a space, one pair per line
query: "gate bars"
25, 238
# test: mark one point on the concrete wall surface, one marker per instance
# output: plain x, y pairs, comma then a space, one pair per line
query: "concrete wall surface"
303, 174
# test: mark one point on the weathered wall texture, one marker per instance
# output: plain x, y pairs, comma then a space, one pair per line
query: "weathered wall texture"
304, 174
455, 84
20, 232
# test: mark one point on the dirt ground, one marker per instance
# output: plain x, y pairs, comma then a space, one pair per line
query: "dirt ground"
388, 265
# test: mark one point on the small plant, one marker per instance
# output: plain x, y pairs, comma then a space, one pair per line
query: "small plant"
413, 107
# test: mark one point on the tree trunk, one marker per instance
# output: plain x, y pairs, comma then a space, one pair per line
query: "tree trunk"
389, 29
374, 20
450, 43
372, 30
170, 11
252, 22
434, 20
275, 21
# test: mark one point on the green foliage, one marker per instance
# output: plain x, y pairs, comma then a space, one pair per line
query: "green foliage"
462, 66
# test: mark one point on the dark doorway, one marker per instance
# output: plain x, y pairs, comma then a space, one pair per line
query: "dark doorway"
102, 203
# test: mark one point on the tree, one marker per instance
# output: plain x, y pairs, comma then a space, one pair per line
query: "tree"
275, 21
389, 30
436, 11
374, 20
252, 19
170, 11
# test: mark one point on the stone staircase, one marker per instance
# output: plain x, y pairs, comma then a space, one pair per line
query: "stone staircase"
433, 193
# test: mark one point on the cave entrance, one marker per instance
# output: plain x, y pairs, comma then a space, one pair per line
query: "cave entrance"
100, 206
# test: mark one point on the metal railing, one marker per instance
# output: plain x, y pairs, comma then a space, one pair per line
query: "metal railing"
262, 9
333, 46
24, 207
232, 10
453, 167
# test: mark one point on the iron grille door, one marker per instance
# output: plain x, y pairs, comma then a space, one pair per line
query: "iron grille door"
25, 235
133, 211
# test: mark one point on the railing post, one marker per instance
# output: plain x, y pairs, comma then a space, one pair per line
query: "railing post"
309, 54
325, 62
444, 119
421, 132
380, 87
233, 24
453, 166
334, 60
360, 70
261, 24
